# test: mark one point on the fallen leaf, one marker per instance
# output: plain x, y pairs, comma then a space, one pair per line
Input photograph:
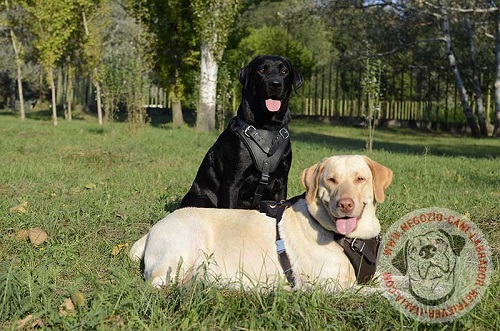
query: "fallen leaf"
20, 208
78, 299
67, 308
118, 248
120, 214
90, 186
115, 321
22, 235
37, 236
30, 322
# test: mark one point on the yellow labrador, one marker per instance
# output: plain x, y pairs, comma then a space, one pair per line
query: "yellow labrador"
240, 245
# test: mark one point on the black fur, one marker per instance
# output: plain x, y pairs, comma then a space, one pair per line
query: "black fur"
227, 177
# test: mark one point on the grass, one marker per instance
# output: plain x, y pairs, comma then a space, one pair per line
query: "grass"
95, 189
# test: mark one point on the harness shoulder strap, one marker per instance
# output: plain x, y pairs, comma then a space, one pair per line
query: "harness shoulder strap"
276, 211
362, 253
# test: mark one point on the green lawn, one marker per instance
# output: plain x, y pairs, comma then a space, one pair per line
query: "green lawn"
96, 189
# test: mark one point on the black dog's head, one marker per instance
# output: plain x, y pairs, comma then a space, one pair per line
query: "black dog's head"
267, 85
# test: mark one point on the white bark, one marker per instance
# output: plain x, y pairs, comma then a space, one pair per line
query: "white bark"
205, 120
19, 62
458, 78
475, 80
53, 90
496, 130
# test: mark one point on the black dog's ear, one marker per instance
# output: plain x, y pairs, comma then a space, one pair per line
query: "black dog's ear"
457, 242
244, 73
297, 78
399, 261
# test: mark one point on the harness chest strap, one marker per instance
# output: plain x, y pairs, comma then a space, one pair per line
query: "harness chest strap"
362, 253
266, 151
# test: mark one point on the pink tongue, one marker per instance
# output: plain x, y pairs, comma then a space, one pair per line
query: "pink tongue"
273, 105
346, 226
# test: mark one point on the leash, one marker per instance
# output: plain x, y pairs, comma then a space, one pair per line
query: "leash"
362, 253
266, 149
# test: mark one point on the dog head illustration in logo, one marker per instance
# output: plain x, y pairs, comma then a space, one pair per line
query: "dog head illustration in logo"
430, 260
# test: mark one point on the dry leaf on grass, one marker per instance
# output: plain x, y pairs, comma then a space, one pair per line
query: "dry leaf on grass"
20, 208
29, 322
90, 186
22, 235
78, 299
115, 321
67, 308
118, 248
120, 214
37, 236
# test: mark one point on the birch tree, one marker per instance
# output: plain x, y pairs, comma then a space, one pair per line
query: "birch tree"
475, 78
213, 22
51, 26
496, 130
18, 48
445, 25
94, 19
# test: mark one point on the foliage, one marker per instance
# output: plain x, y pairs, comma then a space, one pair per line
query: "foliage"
276, 41
213, 20
51, 25
323, 34
125, 68
177, 46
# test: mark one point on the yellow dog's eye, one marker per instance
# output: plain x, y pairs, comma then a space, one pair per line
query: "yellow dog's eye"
332, 180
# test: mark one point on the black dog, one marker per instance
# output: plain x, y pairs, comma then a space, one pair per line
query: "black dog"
251, 158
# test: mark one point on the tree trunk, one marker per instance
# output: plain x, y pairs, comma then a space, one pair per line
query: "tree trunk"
496, 130
98, 96
41, 94
53, 91
19, 63
476, 82
69, 94
59, 88
458, 79
177, 117
205, 119
95, 78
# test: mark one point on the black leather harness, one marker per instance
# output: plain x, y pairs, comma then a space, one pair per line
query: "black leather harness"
362, 253
266, 148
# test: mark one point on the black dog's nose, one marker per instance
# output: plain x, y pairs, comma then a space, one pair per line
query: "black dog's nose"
275, 84
427, 252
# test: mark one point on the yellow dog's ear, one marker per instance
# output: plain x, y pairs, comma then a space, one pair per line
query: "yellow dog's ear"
310, 180
382, 178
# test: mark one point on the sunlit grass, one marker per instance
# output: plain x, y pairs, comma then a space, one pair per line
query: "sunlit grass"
95, 189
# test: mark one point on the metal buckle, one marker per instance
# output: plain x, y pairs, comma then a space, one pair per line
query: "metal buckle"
354, 248
284, 133
250, 127
280, 246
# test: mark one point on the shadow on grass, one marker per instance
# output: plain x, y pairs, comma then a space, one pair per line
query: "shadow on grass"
457, 149
159, 117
